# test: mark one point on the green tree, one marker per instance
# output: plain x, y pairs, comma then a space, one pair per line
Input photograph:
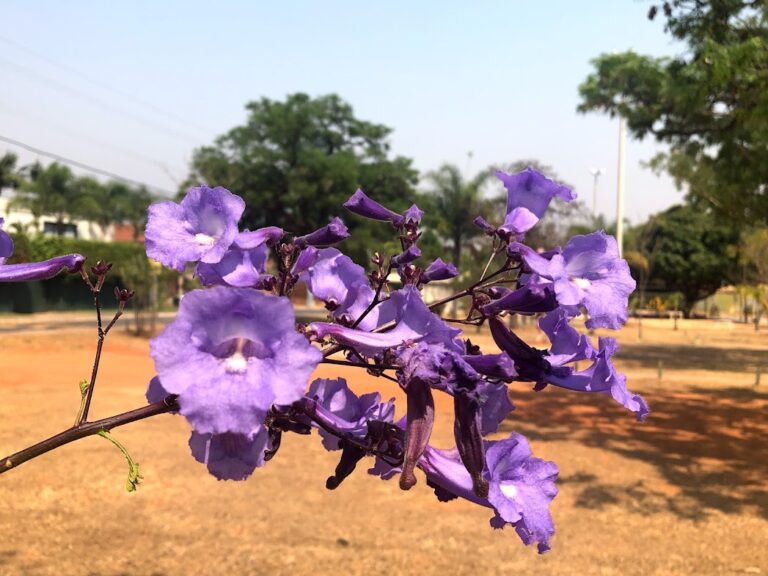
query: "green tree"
296, 161
9, 174
709, 104
50, 190
455, 202
693, 252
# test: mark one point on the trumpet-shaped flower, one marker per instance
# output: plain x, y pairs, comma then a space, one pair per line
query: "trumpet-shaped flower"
199, 228
229, 355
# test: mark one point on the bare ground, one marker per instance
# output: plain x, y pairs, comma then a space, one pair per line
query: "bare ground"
684, 493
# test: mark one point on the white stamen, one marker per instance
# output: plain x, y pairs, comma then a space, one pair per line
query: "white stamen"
205, 240
508, 489
236, 364
582, 283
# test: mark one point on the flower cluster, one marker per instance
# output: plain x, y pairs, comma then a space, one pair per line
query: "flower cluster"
239, 365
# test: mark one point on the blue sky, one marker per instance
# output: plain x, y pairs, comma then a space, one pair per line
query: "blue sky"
134, 87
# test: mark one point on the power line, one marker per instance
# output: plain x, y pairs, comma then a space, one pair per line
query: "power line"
126, 95
82, 165
33, 75
48, 123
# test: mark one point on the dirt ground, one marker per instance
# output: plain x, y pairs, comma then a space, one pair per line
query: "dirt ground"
684, 493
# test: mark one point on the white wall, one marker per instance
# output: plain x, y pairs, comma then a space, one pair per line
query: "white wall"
85, 230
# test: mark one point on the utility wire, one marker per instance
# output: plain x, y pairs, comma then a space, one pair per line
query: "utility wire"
48, 123
99, 102
95, 82
82, 165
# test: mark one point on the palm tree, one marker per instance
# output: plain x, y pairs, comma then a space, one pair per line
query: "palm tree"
49, 190
9, 175
457, 201
133, 208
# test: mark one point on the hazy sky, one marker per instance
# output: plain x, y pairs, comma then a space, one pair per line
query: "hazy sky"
134, 87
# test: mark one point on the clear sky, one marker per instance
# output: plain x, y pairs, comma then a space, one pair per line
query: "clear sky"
134, 87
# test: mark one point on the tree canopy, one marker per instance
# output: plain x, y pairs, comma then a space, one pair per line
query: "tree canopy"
296, 161
709, 104
692, 250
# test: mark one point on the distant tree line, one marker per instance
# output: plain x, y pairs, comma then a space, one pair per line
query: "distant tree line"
54, 191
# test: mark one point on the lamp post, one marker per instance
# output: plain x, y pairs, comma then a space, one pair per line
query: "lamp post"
596, 173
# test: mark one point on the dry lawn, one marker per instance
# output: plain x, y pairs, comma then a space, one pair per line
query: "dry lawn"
684, 493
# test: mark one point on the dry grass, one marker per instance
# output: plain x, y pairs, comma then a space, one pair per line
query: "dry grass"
684, 493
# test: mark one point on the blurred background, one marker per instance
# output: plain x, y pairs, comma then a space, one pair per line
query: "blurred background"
656, 113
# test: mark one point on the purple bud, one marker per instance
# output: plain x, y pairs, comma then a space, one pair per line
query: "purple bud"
411, 254
6, 244
362, 205
418, 428
413, 215
469, 440
247, 240
439, 270
101, 268
40, 270
522, 301
333, 232
485, 226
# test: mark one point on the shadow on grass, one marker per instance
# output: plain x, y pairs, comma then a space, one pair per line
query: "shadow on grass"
694, 357
710, 444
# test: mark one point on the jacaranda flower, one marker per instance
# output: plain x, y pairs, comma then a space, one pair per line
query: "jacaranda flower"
528, 195
200, 228
230, 456
413, 322
229, 355
588, 273
336, 397
520, 486
243, 264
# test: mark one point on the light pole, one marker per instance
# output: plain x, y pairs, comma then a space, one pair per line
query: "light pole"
596, 173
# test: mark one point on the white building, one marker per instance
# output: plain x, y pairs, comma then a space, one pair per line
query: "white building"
23, 218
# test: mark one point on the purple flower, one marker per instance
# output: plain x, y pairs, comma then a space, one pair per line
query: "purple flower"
438, 270
200, 228
520, 490
336, 397
603, 377
520, 487
243, 264
413, 322
362, 205
568, 346
6, 243
230, 456
588, 273
329, 234
333, 278
44, 270
230, 354
528, 196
